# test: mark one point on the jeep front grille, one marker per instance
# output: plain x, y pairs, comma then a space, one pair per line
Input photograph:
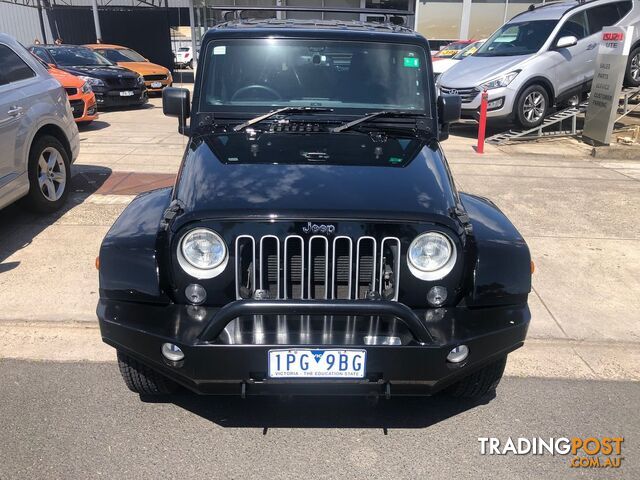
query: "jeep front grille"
317, 267
467, 95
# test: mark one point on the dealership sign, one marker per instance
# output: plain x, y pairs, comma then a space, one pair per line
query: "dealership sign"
615, 43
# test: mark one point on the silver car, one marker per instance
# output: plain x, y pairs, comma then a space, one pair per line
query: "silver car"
541, 58
38, 136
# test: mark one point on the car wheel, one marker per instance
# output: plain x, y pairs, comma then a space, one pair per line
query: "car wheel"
49, 174
141, 379
532, 106
479, 383
190, 65
632, 75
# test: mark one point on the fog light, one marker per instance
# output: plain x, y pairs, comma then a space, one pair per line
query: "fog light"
195, 293
172, 352
458, 354
197, 313
495, 104
437, 296
381, 340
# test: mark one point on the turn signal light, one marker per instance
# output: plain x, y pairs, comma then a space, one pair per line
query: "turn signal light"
97, 263
533, 267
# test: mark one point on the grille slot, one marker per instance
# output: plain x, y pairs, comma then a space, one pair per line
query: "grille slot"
467, 95
342, 267
318, 271
294, 267
270, 265
365, 266
315, 268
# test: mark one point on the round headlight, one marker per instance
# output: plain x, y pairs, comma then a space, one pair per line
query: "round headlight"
203, 249
431, 256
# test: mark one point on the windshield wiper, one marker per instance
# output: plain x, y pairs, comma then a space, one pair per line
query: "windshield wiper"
371, 116
284, 110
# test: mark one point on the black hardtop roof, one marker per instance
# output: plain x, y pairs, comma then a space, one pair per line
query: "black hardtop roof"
334, 29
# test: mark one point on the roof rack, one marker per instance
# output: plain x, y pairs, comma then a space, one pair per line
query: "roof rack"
238, 10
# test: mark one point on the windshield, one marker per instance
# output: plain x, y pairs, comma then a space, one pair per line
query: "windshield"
184, 49
77, 56
469, 50
451, 49
520, 38
315, 73
121, 55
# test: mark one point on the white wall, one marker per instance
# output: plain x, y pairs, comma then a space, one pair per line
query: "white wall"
22, 22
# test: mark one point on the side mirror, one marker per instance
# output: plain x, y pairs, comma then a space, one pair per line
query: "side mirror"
565, 42
52, 65
449, 109
176, 103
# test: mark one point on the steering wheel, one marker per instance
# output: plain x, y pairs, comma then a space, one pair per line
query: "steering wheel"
248, 88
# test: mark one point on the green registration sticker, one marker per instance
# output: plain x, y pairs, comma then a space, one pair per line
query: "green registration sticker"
411, 62
395, 160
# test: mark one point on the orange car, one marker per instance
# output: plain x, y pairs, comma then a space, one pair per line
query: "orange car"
81, 97
156, 77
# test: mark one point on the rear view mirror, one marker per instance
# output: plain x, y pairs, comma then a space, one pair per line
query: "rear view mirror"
176, 103
565, 42
449, 109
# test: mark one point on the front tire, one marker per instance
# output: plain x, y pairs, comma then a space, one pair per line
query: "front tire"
49, 173
532, 106
141, 379
632, 74
480, 383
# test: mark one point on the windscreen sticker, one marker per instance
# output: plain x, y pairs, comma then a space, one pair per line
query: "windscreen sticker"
411, 62
395, 160
220, 50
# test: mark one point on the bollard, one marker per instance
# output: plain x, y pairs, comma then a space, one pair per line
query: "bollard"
482, 121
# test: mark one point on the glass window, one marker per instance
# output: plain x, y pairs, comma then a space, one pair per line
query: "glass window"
439, 19
602, 16
77, 56
576, 25
13, 67
486, 17
518, 38
42, 54
121, 55
468, 50
318, 73
624, 7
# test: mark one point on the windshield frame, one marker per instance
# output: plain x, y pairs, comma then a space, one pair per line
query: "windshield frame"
336, 113
482, 51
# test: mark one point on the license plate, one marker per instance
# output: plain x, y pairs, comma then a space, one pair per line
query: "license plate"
156, 84
126, 93
321, 363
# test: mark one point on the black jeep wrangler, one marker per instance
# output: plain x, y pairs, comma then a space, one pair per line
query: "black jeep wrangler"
314, 241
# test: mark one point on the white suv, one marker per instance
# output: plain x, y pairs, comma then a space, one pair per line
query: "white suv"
542, 57
38, 136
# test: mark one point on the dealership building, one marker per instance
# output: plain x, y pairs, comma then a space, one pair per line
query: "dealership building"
73, 20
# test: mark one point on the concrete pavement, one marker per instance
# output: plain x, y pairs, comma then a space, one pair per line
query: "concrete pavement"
77, 421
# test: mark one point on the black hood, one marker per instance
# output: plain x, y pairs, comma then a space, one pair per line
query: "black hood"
319, 175
102, 72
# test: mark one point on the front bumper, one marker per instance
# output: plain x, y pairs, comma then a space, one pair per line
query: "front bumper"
113, 98
471, 110
210, 367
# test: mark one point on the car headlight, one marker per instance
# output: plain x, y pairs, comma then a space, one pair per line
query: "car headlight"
86, 88
94, 82
140, 80
431, 256
502, 81
202, 253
